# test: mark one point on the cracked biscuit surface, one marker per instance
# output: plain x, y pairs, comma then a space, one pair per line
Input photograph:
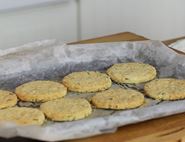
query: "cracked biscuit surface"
7, 99
40, 91
66, 109
118, 98
165, 89
131, 72
22, 115
87, 81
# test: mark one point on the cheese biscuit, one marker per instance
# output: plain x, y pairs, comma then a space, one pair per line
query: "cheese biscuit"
87, 81
40, 91
131, 73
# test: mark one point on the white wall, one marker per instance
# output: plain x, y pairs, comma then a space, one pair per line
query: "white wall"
14, 4
155, 19
55, 21
71, 20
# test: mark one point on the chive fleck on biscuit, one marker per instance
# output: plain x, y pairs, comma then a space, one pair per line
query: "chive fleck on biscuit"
131, 72
40, 91
22, 115
66, 109
7, 99
118, 98
165, 89
87, 81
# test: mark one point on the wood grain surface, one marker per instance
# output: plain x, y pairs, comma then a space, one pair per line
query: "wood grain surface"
125, 36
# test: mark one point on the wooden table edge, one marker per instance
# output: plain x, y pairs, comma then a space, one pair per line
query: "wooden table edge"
123, 36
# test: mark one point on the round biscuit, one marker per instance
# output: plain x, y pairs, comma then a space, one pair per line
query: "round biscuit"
22, 115
87, 81
131, 73
40, 91
118, 98
66, 109
165, 89
7, 99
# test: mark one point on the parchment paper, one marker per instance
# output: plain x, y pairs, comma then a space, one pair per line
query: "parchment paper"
52, 60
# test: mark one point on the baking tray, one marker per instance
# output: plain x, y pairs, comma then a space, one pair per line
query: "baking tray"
52, 60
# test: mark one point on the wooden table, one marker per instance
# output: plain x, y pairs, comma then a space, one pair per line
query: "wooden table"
167, 129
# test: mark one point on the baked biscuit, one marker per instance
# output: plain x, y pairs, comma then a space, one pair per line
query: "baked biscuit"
7, 99
165, 89
40, 91
66, 109
22, 115
87, 81
118, 98
131, 72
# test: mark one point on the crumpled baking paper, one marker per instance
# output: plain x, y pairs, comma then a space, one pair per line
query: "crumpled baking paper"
52, 60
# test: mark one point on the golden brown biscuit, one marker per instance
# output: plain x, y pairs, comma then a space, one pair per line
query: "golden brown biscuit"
166, 89
118, 98
66, 109
7, 99
22, 115
40, 91
87, 81
131, 72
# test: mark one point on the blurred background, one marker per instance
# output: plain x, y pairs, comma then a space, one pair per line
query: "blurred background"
23, 21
